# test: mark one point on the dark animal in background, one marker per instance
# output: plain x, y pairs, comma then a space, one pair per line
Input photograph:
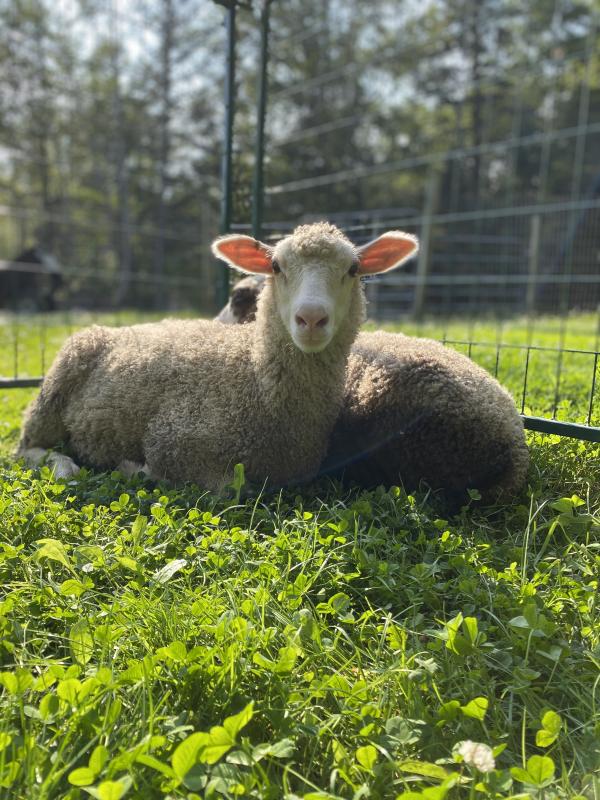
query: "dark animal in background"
241, 307
415, 411
30, 282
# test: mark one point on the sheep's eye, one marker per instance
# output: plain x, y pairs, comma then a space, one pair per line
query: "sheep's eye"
353, 269
276, 267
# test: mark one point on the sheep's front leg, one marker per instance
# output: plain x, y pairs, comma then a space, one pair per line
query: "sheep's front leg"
62, 466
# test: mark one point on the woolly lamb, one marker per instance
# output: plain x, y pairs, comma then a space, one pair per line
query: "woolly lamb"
415, 410
189, 399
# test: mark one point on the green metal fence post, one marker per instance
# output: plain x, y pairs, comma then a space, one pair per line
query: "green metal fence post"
227, 157
258, 180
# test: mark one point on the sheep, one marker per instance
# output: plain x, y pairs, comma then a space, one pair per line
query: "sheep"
241, 306
416, 411
189, 399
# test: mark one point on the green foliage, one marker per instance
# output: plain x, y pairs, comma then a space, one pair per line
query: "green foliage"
67, 109
551, 726
538, 772
239, 481
159, 641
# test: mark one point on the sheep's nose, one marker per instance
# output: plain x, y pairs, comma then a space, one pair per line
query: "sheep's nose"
311, 318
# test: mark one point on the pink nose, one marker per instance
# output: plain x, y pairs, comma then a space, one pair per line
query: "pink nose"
311, 318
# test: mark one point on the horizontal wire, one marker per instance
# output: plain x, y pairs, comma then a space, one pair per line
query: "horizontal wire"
433, 158
393, 52
509, 346
28, 213
493, 280
302, 35
398, 281
456, 216
9, 153
516, 211
484, 82
315, 130
103, 275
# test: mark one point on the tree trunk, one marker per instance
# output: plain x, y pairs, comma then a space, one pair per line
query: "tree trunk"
477, 94
41, 113
166, 102
123, 237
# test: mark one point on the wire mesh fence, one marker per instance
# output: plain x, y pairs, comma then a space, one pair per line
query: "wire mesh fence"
550, 384
508, 213
473, 125
489, 138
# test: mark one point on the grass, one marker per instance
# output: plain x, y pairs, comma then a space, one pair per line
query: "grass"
554, 378
159, 642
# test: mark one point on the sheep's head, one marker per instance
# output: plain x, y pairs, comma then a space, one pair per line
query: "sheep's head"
314, 273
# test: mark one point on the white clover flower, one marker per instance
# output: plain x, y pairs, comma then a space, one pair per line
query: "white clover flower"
477, 755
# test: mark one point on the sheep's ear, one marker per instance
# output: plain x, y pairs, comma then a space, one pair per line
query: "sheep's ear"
387, 252
244, 253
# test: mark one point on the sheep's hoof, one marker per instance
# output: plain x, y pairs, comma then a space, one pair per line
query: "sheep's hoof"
62, 466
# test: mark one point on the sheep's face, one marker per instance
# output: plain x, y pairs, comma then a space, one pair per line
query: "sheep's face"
315, 274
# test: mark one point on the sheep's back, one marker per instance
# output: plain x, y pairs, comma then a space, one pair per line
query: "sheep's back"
403, 371
139, 368
416, 410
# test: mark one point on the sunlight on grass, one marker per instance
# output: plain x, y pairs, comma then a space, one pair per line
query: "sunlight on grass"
316, 644
360, 636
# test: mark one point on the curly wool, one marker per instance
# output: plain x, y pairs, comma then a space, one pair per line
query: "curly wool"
320, 240
415, 410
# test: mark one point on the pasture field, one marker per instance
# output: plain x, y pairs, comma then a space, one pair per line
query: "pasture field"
316, 644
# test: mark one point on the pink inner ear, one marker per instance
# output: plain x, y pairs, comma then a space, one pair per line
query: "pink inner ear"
385, 253
245, 253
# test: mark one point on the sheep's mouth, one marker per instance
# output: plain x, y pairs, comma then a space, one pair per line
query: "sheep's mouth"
313, 342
